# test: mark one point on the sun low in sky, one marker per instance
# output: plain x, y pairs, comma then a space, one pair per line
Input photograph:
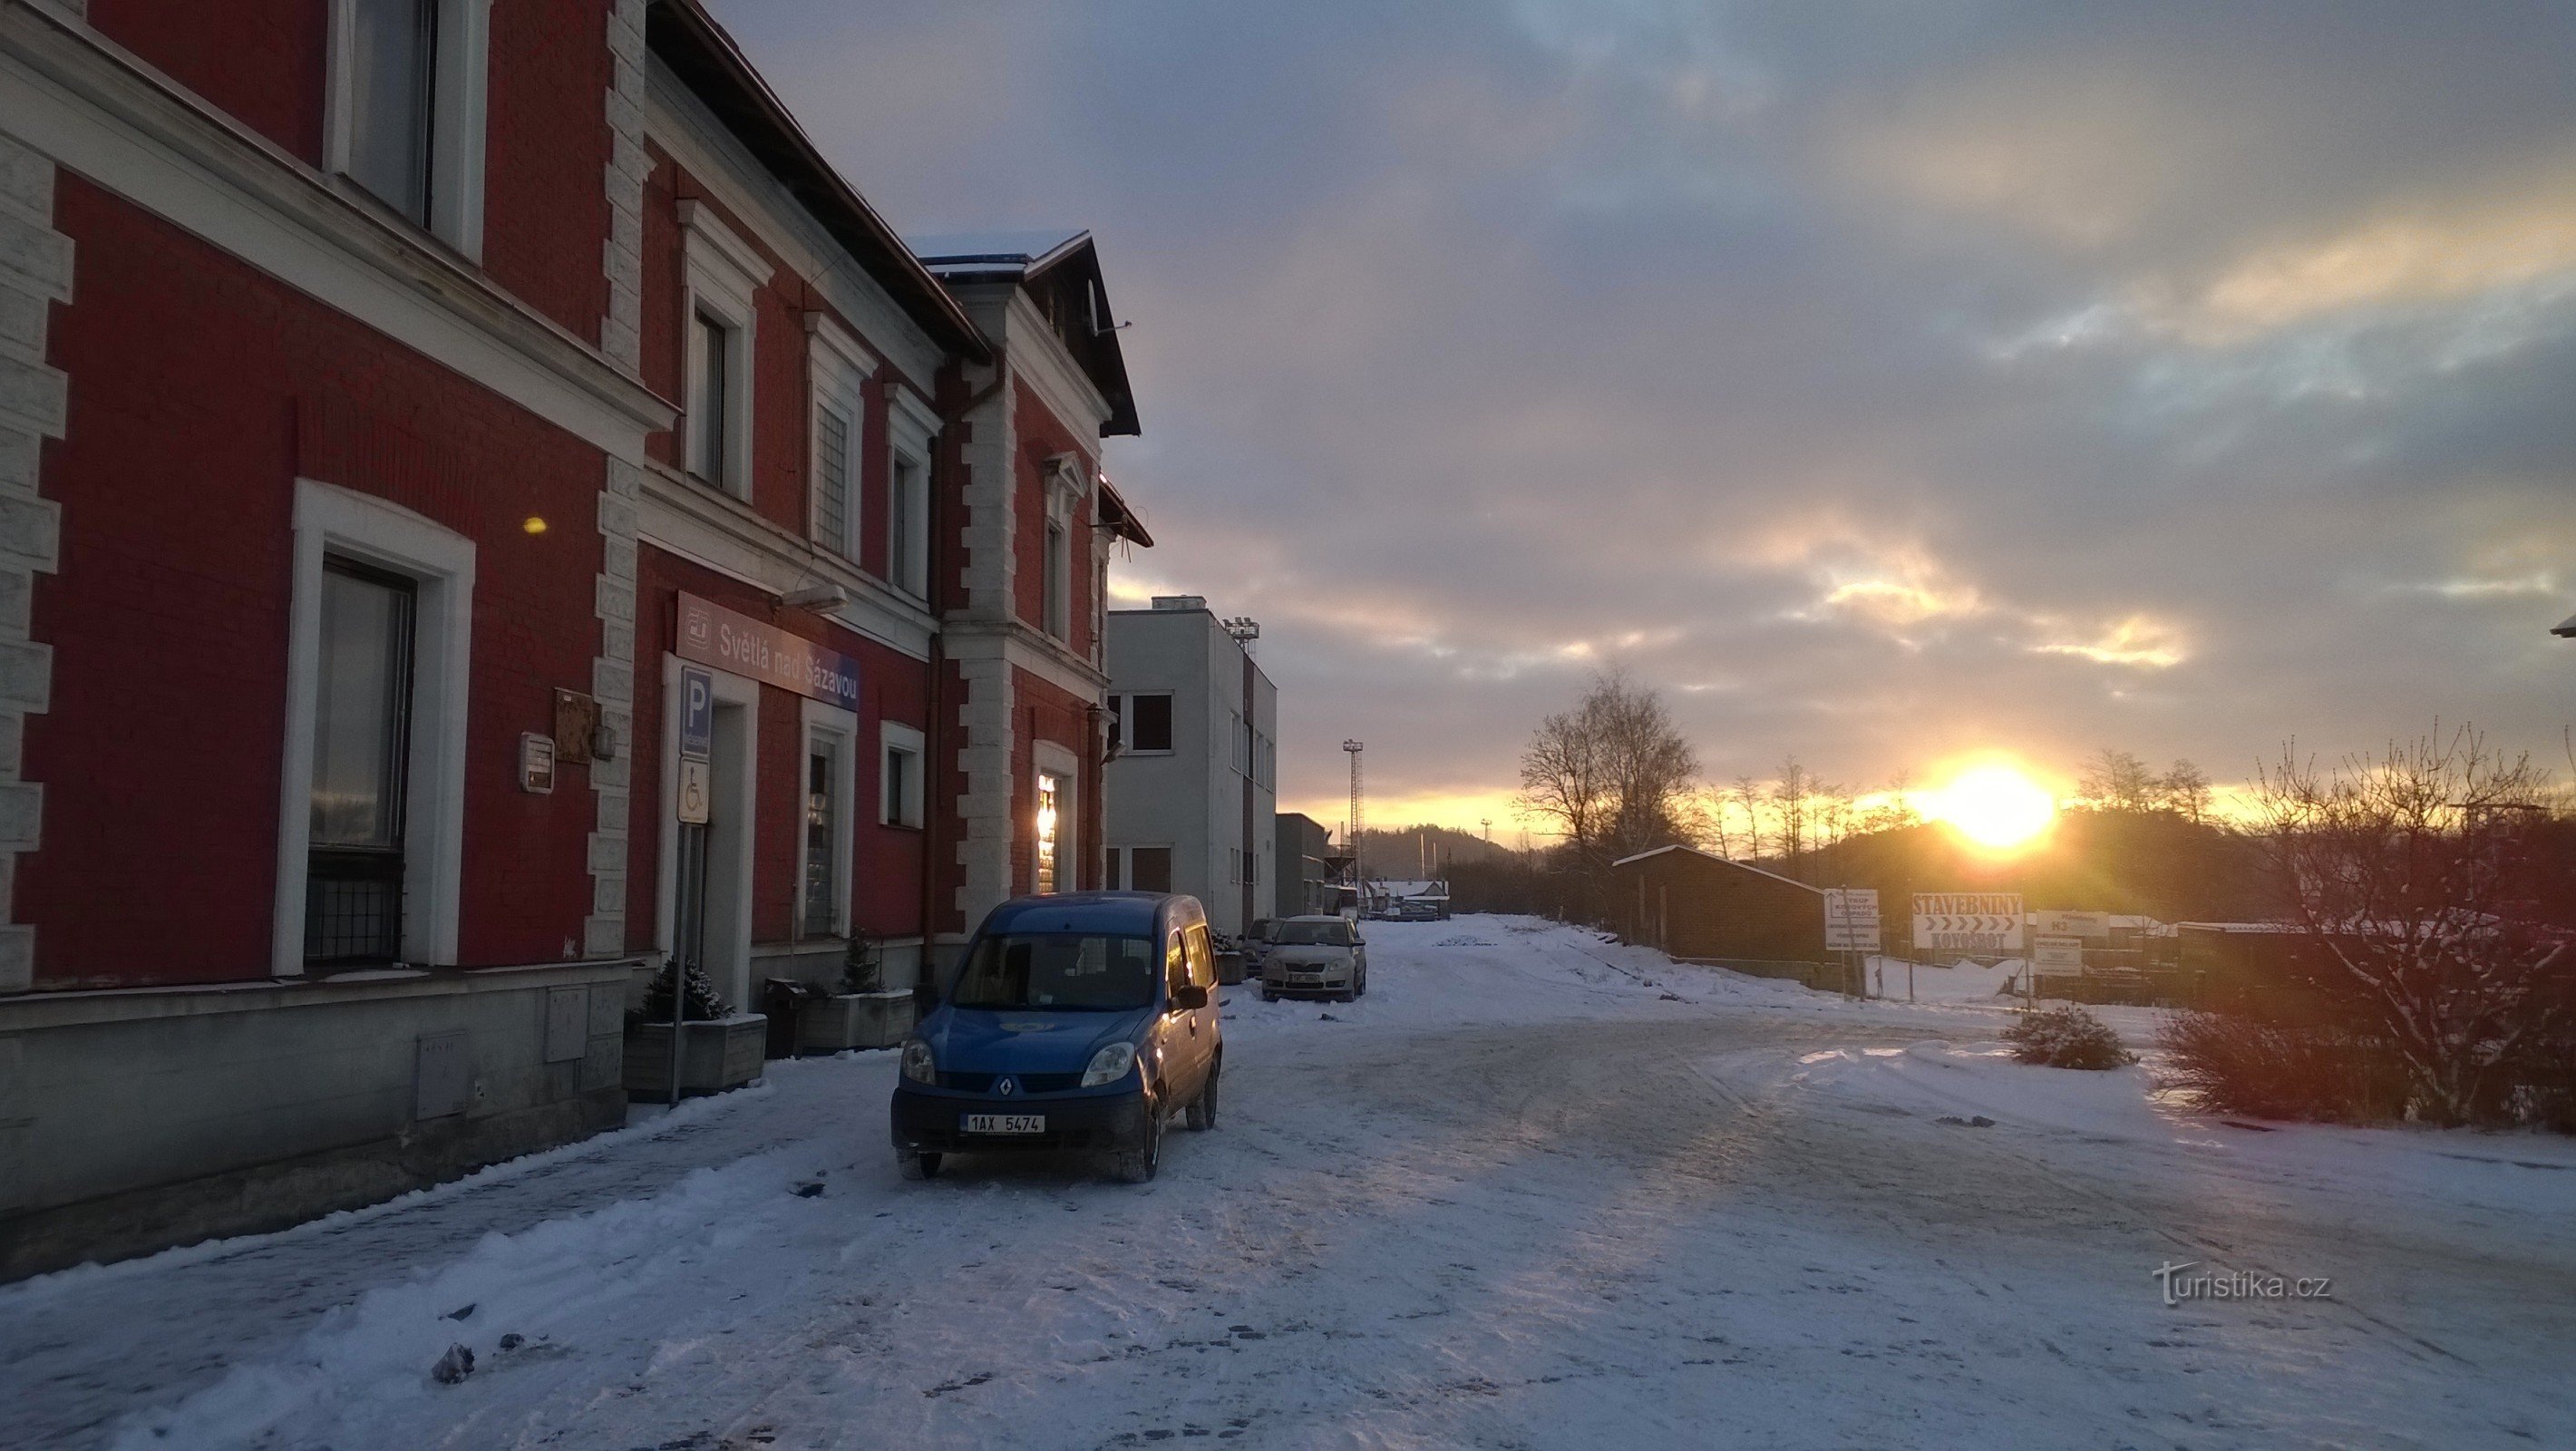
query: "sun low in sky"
1996, 806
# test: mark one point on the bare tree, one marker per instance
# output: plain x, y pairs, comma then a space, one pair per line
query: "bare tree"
1794, 795
1614, 773
1896, 811
2185, 791
2409, 878
2118, 781
1748, 799
1711, 807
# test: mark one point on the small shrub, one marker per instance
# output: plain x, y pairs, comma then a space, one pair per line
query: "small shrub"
2063, 1035
2237, 1063
705, 1004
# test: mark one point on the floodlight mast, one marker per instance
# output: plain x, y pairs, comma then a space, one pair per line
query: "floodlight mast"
1359, 878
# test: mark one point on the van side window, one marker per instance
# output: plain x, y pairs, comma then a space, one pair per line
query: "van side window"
1176, 962
1202, 957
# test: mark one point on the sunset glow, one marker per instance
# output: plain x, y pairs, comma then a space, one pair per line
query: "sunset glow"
1995, 806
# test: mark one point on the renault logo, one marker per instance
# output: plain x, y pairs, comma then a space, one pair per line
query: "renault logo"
1007, 1087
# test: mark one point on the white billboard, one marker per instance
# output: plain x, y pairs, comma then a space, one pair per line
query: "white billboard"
1980, 922
1851, 919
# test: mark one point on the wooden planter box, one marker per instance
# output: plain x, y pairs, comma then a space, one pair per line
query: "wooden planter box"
854, 1020
726, 1053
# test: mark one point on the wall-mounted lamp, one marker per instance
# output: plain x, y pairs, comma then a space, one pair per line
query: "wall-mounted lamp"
815, 597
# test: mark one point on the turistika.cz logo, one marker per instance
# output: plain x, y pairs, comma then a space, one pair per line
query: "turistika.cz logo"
2211, 1284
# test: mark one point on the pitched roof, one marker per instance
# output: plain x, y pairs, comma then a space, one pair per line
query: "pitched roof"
1721, 861
1032, 259
699, 51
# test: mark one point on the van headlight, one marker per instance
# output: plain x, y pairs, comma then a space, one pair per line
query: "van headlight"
918, 1064
1109, 1064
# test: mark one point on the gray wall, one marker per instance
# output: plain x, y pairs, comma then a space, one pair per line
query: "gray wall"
1193, 799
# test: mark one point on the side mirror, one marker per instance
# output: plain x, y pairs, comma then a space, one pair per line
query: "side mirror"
1190, 996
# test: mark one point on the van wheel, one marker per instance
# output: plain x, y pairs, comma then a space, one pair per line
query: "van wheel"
1136, 1163
917, 1166
1202, 1110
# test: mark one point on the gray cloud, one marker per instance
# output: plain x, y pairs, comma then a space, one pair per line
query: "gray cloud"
1886, 382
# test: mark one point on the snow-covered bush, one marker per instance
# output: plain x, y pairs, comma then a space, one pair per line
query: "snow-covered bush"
705, 1003
2238, 1063
2063, 1035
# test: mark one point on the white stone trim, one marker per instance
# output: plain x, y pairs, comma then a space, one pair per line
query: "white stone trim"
35, 273
1038, 357
718, 532
621, 327
1046, 758
76, 97
824, 722
333, 520
984, 730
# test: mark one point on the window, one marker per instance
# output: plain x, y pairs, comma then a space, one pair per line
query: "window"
832, 480
1242, 733
710, 447
1049, 789
371, 785
361, 758
823, 871
819, 856
1058, 566
724, 275
1146, 722
900, 783
908, 526
1149, 868
407, 109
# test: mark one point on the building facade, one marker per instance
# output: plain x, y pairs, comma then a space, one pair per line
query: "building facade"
1301, 848
1193, 783
381, 409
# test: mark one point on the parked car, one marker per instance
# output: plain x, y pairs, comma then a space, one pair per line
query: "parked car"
1082, 1021
1314, 956
1415, 909
1256, 944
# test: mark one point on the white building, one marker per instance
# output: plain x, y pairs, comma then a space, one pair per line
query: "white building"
1192, 786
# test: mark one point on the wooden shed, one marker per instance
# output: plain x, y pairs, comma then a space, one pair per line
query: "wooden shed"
1705, 908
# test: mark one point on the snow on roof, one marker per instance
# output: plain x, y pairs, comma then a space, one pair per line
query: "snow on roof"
1413, 888
1722, 861
950, 253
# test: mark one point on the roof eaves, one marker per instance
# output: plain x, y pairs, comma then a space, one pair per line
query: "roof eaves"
1721, 861
709, 62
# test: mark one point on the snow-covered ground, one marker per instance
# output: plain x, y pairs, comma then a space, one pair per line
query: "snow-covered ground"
1533, 1191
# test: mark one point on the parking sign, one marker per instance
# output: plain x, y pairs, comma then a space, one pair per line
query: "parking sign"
697, 714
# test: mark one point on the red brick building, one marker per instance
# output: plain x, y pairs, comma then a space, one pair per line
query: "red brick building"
381, 382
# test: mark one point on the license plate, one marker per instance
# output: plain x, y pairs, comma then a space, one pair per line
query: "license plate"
1006, 1123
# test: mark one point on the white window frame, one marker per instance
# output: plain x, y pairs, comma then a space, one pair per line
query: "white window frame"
723, 274
833, 729
1050, 759
1063, 496
841, 370
330, 520
1127, 723
457, 109
910, 425
893, 736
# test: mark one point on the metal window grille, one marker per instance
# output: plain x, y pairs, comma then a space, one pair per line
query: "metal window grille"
832, 485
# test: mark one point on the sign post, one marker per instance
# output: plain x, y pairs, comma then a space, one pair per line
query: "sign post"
1851, 928
693, 808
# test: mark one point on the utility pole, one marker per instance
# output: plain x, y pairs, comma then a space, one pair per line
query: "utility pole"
1359, 878
1487, 822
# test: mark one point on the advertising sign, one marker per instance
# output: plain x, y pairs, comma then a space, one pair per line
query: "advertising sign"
1851, 919
710, 634
2057, 954
1982, 922
2091, 926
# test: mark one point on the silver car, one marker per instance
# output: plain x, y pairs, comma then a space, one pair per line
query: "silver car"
1314, 957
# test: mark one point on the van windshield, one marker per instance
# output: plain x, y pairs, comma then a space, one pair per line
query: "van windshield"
1058, 970
1313, 934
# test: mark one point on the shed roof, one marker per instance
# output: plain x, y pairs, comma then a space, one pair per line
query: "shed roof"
1721, 861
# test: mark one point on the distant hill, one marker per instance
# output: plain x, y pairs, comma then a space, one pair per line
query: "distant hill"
1404, 854
2152, 862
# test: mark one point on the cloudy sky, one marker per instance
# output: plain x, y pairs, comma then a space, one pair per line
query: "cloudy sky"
1886, 383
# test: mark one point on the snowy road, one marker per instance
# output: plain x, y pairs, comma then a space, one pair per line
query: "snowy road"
1533, 1191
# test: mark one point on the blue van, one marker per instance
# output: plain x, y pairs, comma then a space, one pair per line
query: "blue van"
1080, 1021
